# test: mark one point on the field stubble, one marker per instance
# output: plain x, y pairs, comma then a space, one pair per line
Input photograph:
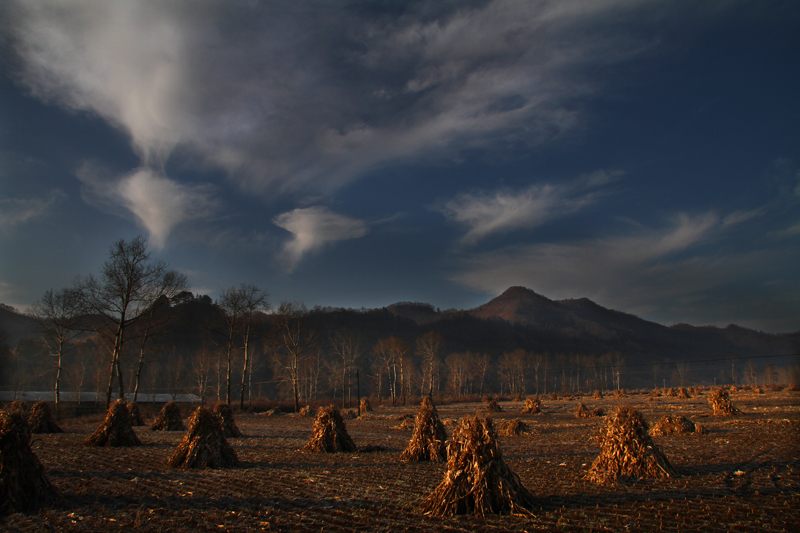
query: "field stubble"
744, 475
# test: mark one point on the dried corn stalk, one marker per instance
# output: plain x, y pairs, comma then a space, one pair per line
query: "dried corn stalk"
428, 442
721, 403
329, 433
583, 412
365, 406
115, 430
492, 406
533, 405
204, 445
169, 419
477, 480
41, 419
24, 487
671, 424
627, 451
225, 414
510, 428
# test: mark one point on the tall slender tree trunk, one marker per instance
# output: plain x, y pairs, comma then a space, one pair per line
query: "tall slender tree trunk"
244, 367
139, 366
402, 382
58, 382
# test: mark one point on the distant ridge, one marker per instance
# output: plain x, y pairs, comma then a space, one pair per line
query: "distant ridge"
517, 318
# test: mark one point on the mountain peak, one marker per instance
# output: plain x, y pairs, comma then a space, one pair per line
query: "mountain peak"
519, 291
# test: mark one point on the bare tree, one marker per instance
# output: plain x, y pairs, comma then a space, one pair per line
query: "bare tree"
732, 358
293, 340
392, 352
128, 285
347, 346
481, 364
512, 367
752, 372
201, 370
682, 370
231, 305
428, 347
253, 302
58, 315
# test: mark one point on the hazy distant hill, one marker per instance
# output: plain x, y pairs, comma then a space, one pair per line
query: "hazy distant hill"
15, 326
518, 318
582, 319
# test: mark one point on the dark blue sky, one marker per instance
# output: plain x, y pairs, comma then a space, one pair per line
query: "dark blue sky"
644, 154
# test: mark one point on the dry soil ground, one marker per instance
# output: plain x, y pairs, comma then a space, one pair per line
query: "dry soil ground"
744, 475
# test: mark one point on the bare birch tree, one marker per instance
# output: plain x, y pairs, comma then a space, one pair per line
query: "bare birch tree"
293, 341
58, 314
129, 283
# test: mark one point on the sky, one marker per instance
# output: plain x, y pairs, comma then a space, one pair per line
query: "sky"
644, 154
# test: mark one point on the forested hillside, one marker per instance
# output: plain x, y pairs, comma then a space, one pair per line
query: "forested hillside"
518, 343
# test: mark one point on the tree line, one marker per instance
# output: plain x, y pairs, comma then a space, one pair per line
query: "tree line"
134, 328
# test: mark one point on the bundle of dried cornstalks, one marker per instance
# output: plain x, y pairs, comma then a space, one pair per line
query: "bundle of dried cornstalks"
583, 412
492, 406
204, 445
115, 430
683, 393
477, 480
510, 428
24, 487
169, 419
225, 415
621, 393
533, 405
329, 433
41, 419
364, 406
627, 451
17, 406
305, 411
136, 415
670, 424
598, 395
428, 442
672, 393
721, 403
406, 421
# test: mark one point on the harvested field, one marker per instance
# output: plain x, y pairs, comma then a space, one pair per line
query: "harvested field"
743, 475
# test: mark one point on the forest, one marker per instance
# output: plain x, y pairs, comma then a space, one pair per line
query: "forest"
135, 328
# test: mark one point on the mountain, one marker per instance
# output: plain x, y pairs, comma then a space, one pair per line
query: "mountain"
14, 326
584, 321
518, 318
419, 313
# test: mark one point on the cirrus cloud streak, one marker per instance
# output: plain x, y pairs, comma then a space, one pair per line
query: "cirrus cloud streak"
314, 228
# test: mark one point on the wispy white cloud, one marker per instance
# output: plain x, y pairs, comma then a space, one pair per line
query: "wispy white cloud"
738, 217
157, 203
625, 271
313, 228
291, 96
16, 211
501, 211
